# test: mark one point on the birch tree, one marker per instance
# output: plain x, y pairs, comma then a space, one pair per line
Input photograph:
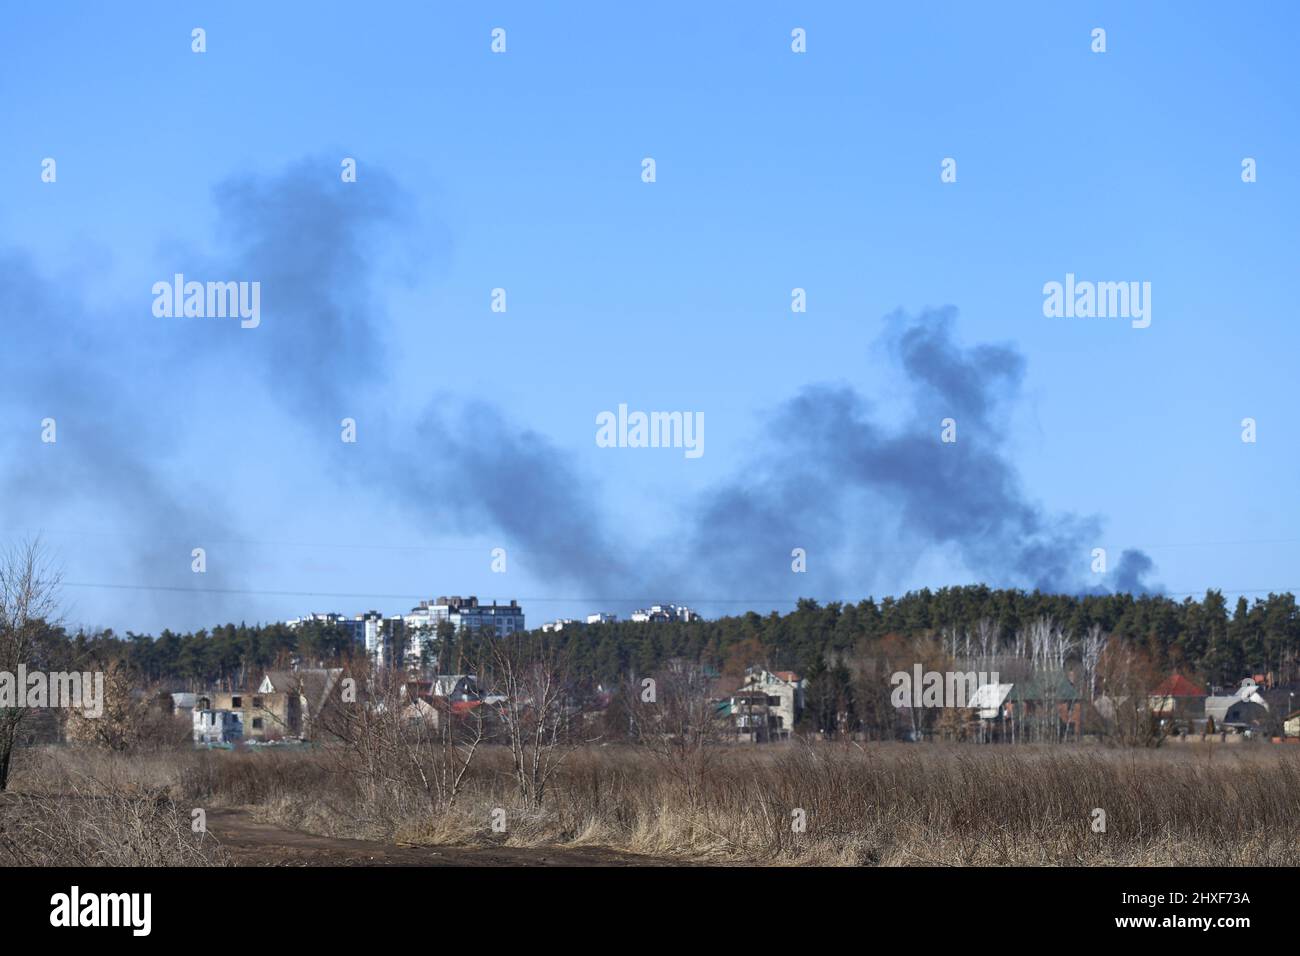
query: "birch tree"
28, 588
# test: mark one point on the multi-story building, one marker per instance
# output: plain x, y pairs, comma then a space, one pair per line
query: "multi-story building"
216, 727
262, 716
377, 634
404, 637
329, 619
467, 614
561, 624
767, 704
665, 612
460, 614
285, 703
382, 636
602, 618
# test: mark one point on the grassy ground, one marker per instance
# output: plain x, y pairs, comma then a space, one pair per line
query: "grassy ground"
876, 805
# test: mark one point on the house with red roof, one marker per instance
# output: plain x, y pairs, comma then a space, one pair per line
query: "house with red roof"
1178, 698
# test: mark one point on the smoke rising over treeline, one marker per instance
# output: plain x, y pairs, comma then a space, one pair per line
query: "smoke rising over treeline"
858, 490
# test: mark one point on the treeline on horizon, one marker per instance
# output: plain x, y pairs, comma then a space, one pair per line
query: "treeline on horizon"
1202, 639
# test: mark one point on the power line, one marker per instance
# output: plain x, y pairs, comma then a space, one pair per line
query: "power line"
207, 541
252, 592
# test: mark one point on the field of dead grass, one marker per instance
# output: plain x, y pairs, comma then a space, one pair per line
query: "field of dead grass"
889, 804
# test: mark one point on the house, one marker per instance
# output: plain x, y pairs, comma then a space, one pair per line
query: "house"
1045, 706
420, 711
456, 695
216, 726
309, 692
1109, 708
448, 688
1041, 707
433, 712
1241, 710
1177, 698
263, 716
456, 687
1178, 701
766, 705
286, 703
989, 701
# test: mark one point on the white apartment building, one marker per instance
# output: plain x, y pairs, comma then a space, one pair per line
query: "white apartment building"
467, 612
315, 618
665, 612
462, 613
561, 624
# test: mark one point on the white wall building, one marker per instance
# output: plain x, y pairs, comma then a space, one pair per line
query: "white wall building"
329, 618
461, 614
468, 613
217, 726
768, 704
665, 612
561, 624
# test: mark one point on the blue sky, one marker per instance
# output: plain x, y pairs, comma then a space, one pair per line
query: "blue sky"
522, 171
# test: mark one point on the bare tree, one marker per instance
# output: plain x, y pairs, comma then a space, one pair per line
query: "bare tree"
1126, 676
444, 742
28, 588
122, 723
1091, 649
527, 671
673, 716
400, 747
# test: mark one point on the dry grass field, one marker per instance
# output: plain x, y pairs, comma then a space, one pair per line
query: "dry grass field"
885, 805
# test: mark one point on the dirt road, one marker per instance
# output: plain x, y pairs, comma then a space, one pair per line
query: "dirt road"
253, 843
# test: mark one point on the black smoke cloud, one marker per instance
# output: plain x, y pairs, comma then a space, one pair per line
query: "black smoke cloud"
521, 484
316, 246
314, 243
867, 494
837, 481
1134, 566
96, 496
833, 478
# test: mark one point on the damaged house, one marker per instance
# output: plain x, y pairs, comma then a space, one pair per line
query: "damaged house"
287, 703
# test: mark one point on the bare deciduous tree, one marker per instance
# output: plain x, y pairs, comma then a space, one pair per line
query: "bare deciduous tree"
1126, 676
674, 718
535, 714
398, 747
28, 588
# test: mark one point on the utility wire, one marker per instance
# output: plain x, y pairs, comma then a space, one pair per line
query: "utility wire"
571, 600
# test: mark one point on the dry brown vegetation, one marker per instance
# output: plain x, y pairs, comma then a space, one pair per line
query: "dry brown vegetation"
83, 807
888, 804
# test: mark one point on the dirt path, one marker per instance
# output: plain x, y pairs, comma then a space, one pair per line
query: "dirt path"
251, 842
